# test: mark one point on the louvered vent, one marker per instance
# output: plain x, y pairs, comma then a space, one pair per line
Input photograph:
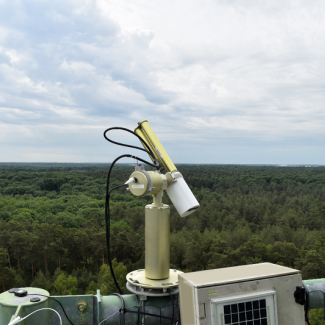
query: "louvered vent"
253, 309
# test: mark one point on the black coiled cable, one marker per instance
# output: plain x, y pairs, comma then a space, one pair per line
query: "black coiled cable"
108, 192
149, 151
107, 212
107, 215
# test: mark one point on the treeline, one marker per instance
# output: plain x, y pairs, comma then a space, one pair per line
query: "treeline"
52, 223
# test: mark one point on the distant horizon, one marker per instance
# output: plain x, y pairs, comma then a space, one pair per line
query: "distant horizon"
179, 163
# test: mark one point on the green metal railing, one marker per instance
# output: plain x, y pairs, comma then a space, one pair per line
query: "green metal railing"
86, 309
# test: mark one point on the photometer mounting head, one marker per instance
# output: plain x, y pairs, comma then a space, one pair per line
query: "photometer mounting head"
147, 182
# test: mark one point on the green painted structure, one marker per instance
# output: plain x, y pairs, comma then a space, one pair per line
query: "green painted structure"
98, 309
83, 309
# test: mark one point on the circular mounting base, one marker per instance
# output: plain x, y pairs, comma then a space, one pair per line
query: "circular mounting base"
151, 292
139, 284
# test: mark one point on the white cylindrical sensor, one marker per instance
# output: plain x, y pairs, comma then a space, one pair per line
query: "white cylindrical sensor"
181, 196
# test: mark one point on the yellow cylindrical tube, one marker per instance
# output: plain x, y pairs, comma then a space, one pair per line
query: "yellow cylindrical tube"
157, 251
139, 132
144, 131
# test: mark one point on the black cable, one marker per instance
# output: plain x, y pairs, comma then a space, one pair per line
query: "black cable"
144, 161
122, 310
147, 314
149, 151
107, 211
115, 188
38, 294
306, 317
107, 220
171, 298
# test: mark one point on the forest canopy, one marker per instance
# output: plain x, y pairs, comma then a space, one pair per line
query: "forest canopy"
52, 223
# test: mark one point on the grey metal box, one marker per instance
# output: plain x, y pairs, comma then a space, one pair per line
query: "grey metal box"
207, 296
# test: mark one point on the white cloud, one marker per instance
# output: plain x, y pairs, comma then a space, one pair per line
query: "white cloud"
210, 69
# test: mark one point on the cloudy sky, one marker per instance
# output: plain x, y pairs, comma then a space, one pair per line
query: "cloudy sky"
220, 81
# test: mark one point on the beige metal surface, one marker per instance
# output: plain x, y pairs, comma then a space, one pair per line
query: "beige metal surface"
157, 251
141, 186
236, 274
288, 311
187, 302
148, 183
138, 278
198, 289
144, 131
157, 181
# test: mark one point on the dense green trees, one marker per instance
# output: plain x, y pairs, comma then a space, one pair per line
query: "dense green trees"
52, 223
